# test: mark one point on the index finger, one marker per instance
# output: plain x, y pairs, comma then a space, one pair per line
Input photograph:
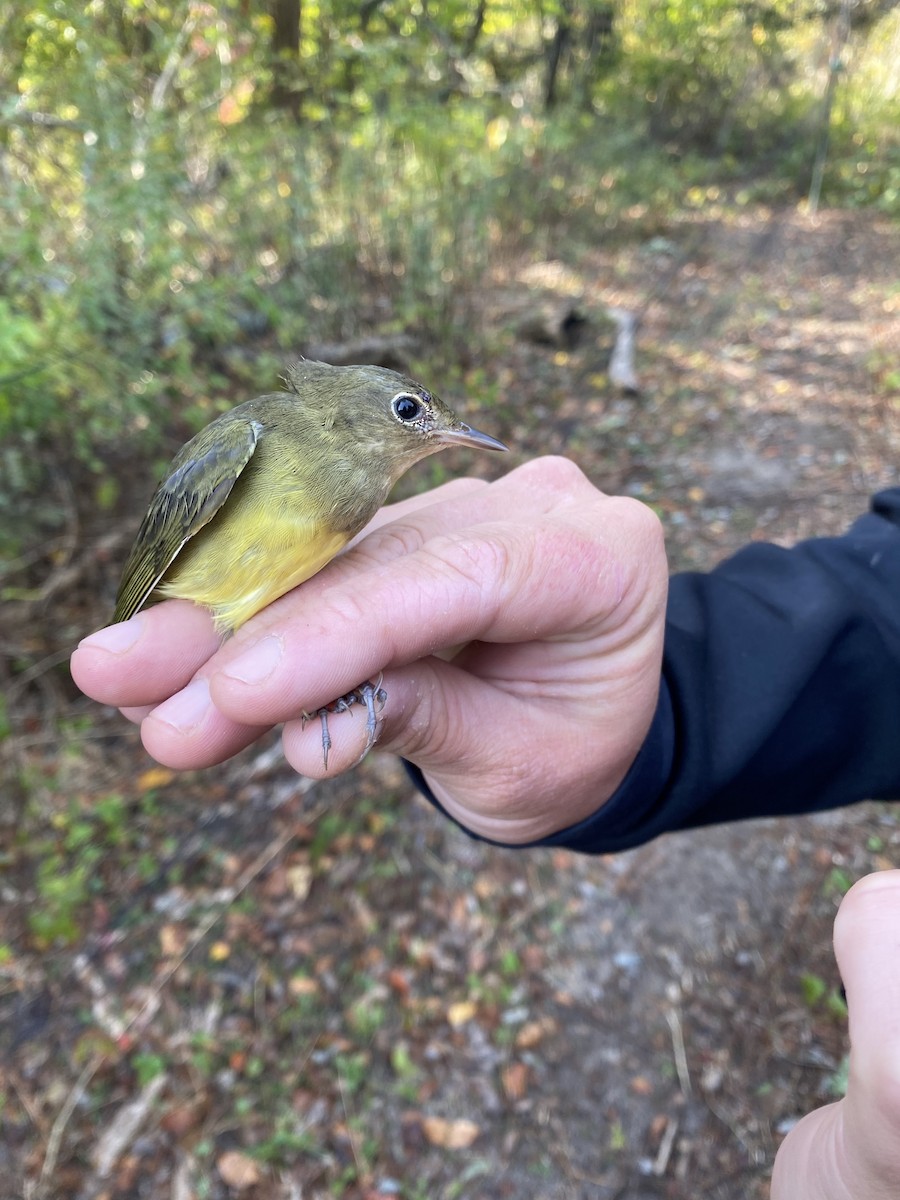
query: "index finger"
526, 577
142, 661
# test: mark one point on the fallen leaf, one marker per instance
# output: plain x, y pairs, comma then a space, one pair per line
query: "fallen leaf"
303, 985
459, 1013
172, 940
450, 1135
534, 1032
299, 879
181, 1118
398, 981
154, 777
275, 884
238, 1171
533, 957
515, 1080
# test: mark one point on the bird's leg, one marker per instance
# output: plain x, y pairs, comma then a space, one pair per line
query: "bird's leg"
372, 695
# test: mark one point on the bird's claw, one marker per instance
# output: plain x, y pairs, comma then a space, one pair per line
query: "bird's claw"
372, 695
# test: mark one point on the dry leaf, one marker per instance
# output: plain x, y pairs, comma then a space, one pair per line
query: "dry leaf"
181, 1118
275, 883
450, 1135
459, 1013
299, 879
515, 1080
172, 940
533, 1032
238, 1171
154, 777
398, 981
303, 985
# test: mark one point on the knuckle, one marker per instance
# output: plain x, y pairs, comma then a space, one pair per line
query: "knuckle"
553, 473
391, 541
638, 517
480, 566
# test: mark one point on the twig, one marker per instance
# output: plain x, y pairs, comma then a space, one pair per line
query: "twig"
360, 1169
26, 1101
36, 670
119, 1133
63, 1117
621, 364
681, 1063
47, 120
664, 1152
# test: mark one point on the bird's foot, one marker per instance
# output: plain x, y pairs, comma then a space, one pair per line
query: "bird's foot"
372, 695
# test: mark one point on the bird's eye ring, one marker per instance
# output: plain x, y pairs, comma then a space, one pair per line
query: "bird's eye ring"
406, 407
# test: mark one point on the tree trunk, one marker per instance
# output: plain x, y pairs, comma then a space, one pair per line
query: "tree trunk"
555, 52
286, 91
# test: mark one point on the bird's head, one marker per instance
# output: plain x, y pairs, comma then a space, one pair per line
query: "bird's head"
382, 413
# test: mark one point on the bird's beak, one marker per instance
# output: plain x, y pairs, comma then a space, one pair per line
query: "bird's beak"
464, 435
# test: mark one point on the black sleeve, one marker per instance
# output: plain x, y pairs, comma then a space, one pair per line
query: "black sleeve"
780, 690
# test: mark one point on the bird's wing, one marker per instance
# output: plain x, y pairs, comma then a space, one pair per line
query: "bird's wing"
201, 479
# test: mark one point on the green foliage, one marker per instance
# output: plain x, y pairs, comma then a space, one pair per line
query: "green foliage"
365, 1017
818, 995
838, 882
287, 1140
353, 1069
68, 863
840, 1080
813, 987
62, 888
147, 1067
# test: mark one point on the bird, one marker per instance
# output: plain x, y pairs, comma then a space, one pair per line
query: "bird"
269, 492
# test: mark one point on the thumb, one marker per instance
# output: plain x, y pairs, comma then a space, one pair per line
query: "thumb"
851, 1150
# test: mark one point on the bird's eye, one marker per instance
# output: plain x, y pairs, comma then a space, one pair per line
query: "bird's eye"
406, 407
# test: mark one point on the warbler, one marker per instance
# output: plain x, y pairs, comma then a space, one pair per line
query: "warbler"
268, 493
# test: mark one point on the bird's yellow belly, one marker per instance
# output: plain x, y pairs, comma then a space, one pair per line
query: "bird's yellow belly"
248, 556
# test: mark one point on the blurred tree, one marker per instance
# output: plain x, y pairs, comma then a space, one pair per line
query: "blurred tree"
286, 89
582, 46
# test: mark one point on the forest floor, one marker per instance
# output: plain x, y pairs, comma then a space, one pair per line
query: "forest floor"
238, 983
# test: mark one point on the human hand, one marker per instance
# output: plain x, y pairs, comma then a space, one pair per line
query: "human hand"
851, 1150
555, 593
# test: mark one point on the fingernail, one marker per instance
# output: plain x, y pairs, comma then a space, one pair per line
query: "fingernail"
186, 710
257, 663
115, 639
